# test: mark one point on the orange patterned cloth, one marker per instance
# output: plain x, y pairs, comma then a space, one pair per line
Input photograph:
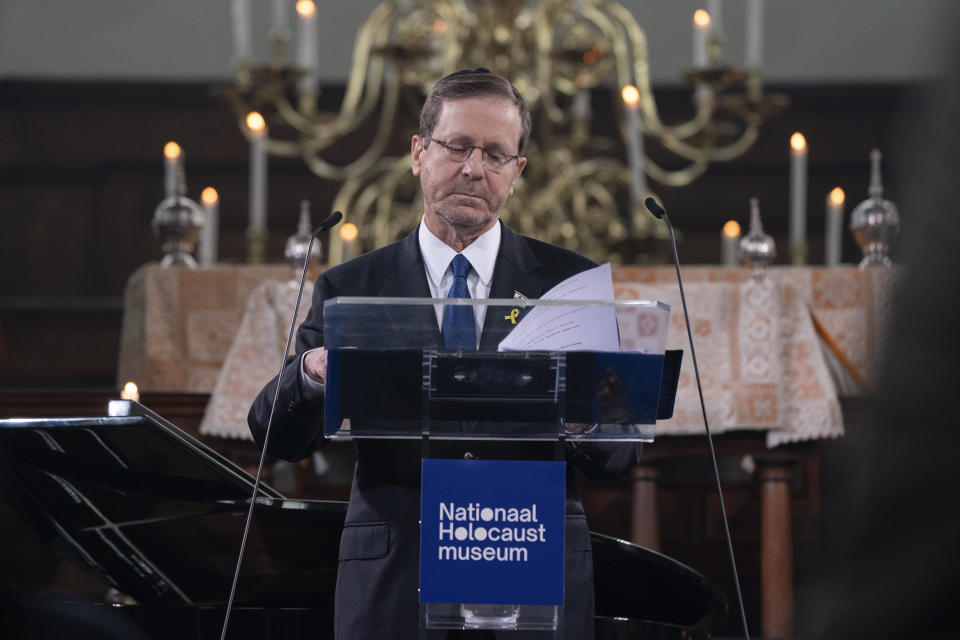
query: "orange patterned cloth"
762, 362
179, 324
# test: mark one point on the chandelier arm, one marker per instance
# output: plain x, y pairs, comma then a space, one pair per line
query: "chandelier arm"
641, 69
329, 171
386, 199
344, 201
274, 146
363, 71
362, 50
676, 178
715, 154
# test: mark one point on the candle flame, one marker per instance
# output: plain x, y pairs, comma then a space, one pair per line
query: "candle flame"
631, 95
798, 142
837, 196
209, 196
701, 18
255, 122
439, 26
130, 392
306, 8
731, 229
171, 150
349, 232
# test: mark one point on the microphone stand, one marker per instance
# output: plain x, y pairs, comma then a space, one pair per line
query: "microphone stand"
333, 219
654, 207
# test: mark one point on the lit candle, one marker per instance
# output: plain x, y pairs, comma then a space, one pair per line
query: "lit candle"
638, 184
730, 241
701, 29
754, 45
130, 392
240, 20
307, 44
211, 226
348, 233
833, 241
798, 199
171, 155
258, 171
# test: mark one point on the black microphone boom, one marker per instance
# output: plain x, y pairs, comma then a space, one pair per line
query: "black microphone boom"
333, 219
654, 207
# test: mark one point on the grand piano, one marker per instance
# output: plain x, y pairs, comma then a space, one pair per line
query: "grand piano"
153, 518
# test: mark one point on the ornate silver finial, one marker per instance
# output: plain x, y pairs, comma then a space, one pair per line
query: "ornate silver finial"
177, 221
297, 244
757, 248
875, 221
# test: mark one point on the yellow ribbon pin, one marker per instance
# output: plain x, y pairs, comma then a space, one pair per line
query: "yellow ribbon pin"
512, 316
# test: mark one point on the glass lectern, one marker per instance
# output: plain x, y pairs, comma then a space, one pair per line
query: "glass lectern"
544, 370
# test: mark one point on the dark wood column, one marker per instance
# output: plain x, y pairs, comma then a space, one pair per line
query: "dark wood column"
644, 514
776, 548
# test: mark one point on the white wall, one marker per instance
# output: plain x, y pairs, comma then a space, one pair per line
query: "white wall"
805, 40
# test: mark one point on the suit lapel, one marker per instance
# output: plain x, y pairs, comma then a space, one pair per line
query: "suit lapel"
513, 272
406, 277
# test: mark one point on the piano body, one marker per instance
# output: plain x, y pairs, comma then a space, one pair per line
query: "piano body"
146, 509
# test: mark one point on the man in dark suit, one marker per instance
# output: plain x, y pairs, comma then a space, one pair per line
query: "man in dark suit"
473, 131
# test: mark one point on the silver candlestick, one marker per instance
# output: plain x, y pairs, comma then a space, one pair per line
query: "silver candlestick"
177, 221
875, 221
297, 244
757, 248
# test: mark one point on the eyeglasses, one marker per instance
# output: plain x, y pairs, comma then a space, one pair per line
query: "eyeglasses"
493, 160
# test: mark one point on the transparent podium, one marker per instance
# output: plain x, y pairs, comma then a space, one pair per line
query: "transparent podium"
545, 370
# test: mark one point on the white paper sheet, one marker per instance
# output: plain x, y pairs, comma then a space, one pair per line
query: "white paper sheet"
560, 328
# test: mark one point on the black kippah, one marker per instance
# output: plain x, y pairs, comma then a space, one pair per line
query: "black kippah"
464, 72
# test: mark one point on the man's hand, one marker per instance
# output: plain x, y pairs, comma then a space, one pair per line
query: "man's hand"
579, 427
315, 364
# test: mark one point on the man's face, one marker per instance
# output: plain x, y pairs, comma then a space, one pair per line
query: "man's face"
466, 196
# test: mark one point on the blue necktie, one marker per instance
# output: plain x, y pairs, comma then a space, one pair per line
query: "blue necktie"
459, 328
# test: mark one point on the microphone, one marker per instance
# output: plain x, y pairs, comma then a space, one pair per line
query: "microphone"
659, 212
332, 220
654, 207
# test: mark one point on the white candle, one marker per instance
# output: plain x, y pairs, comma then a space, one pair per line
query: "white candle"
730, 243
834, 227
307, 44
240, 21
280, 14
130, 392
638, 183
701, 29
798, 198
211, 227
348, 234
754, 45
171, 155
258, 171
716, 17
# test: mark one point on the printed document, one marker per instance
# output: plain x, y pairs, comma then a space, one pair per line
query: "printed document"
570, 328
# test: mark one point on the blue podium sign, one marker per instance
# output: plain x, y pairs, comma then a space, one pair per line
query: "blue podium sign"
492, 532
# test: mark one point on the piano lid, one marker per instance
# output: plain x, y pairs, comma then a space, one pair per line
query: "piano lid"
160, 515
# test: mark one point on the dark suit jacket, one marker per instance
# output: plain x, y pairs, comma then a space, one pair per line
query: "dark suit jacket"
379, 550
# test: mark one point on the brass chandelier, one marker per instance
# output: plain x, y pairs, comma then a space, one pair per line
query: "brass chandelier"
577, 190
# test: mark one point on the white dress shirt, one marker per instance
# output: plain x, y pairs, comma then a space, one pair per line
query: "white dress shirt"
437, 259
